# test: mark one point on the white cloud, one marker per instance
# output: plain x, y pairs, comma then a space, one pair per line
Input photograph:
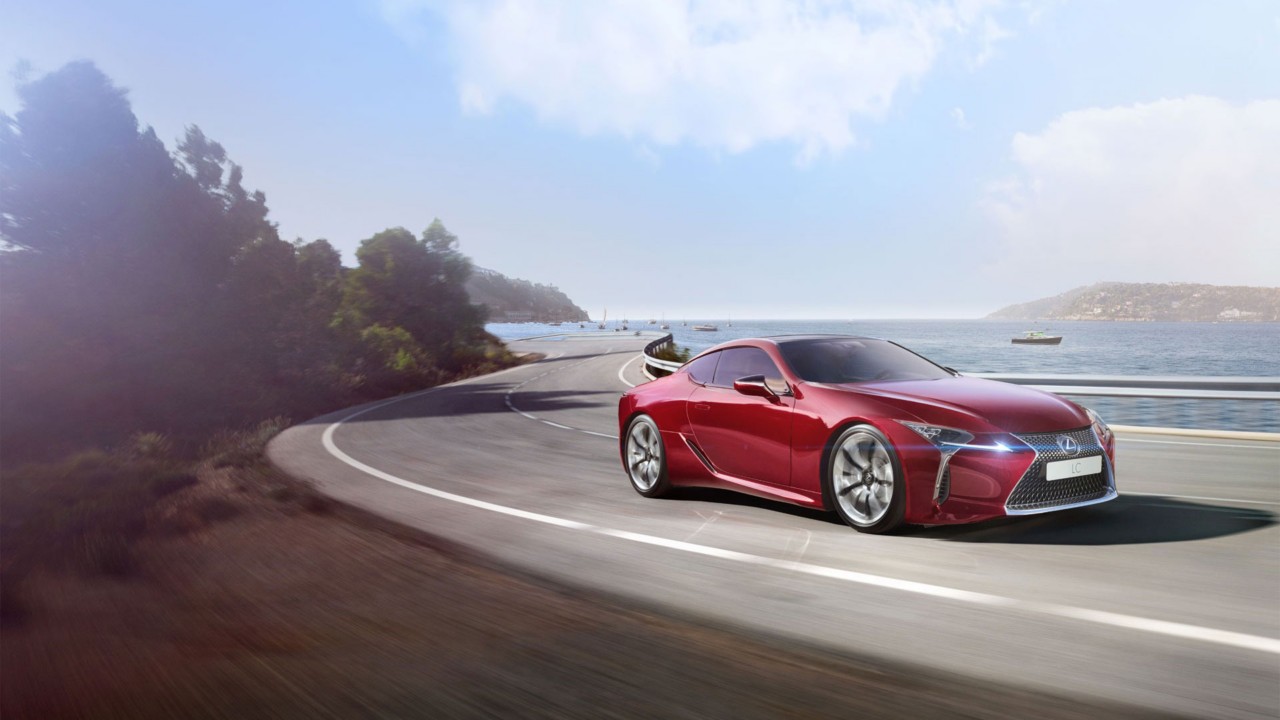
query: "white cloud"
957, 114
1176, 190
723, 74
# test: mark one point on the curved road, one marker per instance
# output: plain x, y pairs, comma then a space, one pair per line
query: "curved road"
1168, 597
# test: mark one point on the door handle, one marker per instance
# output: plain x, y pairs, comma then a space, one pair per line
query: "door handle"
701, 406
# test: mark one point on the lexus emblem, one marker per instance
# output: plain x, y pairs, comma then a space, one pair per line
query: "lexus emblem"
1068, 444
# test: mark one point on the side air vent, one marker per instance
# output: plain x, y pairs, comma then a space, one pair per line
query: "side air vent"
698, 452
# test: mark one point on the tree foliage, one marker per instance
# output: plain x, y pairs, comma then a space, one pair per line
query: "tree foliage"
417, 285
147, 290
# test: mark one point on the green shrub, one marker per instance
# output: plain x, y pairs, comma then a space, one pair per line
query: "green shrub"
673, 353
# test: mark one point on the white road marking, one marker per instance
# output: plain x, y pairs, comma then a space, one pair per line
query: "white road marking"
804, 547
705, 522
511, 404
506, 399
623, 369
1158, 627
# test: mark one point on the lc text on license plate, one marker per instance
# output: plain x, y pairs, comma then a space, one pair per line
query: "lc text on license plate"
1075, 467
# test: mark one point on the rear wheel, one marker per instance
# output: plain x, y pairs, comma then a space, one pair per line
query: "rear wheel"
865, 480
646, 458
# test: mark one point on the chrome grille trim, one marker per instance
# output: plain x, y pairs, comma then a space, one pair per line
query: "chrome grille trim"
943, 489
1034, 494
942, 484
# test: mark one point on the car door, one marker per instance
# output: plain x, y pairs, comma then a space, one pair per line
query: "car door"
744, 436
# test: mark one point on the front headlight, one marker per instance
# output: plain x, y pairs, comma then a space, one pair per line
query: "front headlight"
944, 438
1099, 427
949, 440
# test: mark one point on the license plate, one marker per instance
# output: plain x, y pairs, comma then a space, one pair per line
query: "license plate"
1063, 469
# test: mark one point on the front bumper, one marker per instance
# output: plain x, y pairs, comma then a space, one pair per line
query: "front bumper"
979, 485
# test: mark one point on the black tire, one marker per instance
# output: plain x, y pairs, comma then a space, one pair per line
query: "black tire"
855, 475
645, 457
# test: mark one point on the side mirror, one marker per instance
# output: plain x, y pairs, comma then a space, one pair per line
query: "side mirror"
754, 385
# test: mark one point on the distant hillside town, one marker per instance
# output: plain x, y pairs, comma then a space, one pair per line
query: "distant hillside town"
516, 300
1177, 302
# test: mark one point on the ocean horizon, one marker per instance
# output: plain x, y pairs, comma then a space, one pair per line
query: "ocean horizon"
982, 345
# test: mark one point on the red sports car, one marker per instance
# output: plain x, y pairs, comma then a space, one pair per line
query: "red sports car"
863, 427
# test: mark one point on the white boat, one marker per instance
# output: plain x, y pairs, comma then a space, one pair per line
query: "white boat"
706, 328
1037, 337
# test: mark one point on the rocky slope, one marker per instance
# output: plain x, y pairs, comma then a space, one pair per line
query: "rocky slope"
516, 300
1188, 302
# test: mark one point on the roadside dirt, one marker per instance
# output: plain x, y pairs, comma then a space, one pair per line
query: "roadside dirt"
281, 605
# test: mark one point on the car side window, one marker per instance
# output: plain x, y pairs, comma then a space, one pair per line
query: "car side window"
702, 369
740, 362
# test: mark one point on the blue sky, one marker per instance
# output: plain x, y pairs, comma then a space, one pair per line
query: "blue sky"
755, 159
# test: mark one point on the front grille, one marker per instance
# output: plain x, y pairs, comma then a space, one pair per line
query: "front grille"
1034, 493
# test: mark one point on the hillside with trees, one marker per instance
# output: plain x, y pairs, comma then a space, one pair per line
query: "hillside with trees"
143, 289
515, 300
1177, 302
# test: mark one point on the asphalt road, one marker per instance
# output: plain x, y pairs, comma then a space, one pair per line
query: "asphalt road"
1168, 597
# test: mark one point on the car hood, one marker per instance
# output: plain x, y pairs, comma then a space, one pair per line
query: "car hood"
1011, 408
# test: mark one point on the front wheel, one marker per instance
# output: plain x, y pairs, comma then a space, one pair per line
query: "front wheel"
865, 480
646, 458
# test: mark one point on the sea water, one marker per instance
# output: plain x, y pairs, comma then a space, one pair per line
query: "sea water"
1088, 348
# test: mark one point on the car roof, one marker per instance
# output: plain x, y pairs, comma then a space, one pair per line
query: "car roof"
780, 340
785, 339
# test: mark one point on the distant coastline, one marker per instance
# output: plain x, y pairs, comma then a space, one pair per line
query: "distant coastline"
1152, 302
516, 300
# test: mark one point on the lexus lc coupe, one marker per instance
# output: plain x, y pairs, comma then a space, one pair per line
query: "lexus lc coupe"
866, 428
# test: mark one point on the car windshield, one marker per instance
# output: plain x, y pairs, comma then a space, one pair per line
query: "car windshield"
847, 360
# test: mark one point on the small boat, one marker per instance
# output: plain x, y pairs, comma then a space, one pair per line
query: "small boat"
554, 324
581, 325
605, 320
1037, 337
706, 328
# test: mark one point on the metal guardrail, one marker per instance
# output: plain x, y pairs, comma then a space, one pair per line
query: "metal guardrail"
1146, 386
665, 366
1227, 403
1200, 403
